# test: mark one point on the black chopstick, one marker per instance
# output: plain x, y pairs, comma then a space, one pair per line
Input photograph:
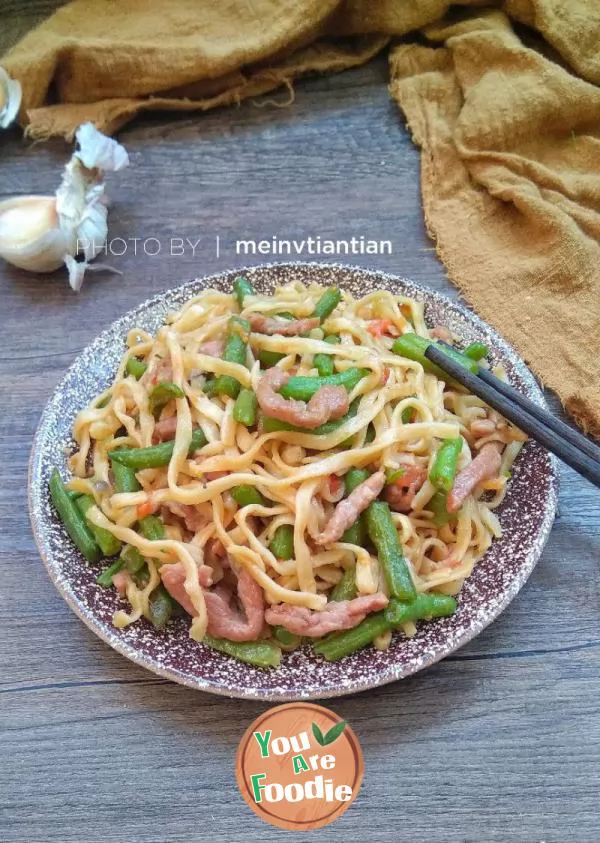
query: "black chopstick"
558, 426
568, 449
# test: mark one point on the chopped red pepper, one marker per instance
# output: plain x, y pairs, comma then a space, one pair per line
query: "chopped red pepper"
146, 508
335, 484
382, 327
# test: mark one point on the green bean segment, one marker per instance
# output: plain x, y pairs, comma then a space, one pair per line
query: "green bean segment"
235, 352
445, 463
286, 638
135, 367
73, 520
324, 365
105, 579
152, 528
383, 534
345, 589
413, 347
160, 607
157, 455
124, 477
242, 288
476, 351
357, 532
282, 543
423, 607
257, 653
328, 303
337, 646
438, 506
247, 495
133, 560
245, 408
269, 358
107, 543
162, 393
302, 388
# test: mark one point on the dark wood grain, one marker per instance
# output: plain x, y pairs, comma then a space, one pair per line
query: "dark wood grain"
497, 743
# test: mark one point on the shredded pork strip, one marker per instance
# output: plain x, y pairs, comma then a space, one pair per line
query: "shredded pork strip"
224, 621
329, 402
348, 510
286, 327
335, 616
165, 429
401, 493
214, 348
193, 520
485, 466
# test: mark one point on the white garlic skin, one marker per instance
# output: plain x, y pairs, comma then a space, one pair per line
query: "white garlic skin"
10, 99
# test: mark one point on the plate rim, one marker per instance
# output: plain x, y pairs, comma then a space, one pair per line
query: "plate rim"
199, 683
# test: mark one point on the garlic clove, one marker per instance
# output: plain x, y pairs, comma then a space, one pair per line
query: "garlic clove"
30, 237
40, 233
10, 99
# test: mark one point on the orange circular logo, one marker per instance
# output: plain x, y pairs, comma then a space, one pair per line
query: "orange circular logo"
299, 766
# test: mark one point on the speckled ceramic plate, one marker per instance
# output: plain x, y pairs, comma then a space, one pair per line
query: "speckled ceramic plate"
526, 516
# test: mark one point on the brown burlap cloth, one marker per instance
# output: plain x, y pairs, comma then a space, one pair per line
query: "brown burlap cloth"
508, 123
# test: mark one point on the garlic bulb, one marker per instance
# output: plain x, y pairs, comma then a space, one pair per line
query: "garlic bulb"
10, 99
40, 233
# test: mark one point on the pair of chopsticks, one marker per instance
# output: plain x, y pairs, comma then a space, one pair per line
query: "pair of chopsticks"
571, 447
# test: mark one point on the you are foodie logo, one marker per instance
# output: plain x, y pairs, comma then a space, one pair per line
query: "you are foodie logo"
299, 766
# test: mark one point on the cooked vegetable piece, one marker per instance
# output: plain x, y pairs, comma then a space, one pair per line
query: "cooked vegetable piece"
476, 351
327, 303
445, 464
107, 543
257, 653
152, 528
157, 455
345, 589
302, 388
160, 607
105, 579
341, 644
124, 477
235, 352
438, 505
133, 560
413, 347
357, 533
135, 367
269, 358
245, 408
323, 363
286, 638
282, 543
383, 534
162, 393
247, 495
242, 288
73, 520
423, 607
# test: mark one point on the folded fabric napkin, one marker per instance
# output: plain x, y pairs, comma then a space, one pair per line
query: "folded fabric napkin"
508, 121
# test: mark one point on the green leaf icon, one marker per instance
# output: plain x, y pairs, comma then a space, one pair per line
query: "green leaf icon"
318, 734
334, 733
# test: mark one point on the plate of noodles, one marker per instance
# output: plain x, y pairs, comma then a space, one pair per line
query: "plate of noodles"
255, 484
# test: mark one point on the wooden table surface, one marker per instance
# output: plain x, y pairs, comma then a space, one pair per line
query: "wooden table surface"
499, 742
